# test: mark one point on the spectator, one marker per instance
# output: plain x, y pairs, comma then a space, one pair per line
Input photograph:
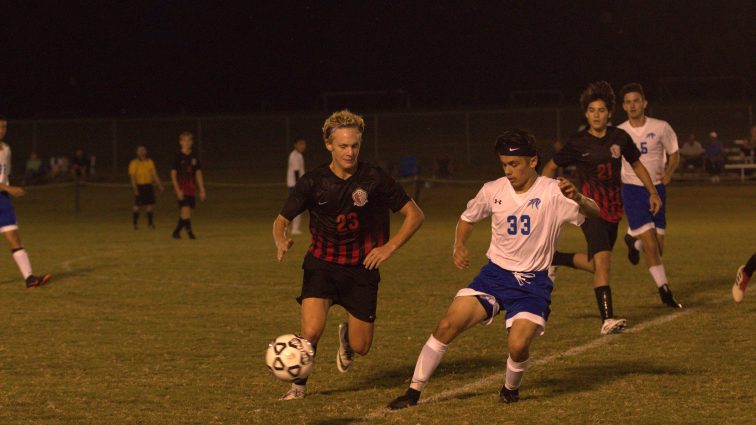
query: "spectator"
58, 167
80, 166
34, 170
748, 148
443, 168
715, 157
691, 154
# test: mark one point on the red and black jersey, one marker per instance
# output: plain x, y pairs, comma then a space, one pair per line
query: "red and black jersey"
598, 162
186, 167
348, 218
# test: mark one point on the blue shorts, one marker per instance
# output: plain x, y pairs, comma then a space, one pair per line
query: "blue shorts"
525, 295
7, 213
639, 218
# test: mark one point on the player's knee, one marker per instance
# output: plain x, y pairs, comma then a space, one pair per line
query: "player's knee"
518, 350
361, 347
446, 330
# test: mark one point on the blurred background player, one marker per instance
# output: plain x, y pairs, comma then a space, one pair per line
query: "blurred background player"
80, 166
656, 141
187, 179
596, 152
295, 170
742, 277
715, 157
527, 214
349, 203
143, 178
8, 226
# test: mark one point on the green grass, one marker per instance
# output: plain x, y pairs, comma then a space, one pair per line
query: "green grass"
139, 328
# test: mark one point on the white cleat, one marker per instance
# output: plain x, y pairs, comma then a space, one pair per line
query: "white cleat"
345, 355
613, 326
296, 392
741, 283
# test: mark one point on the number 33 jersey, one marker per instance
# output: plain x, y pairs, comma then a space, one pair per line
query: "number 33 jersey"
525, 227
348, 218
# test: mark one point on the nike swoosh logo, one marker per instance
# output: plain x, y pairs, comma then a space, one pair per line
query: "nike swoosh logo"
586, 154
513, 149
322, 203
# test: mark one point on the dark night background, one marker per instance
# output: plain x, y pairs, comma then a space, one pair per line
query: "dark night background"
72, 59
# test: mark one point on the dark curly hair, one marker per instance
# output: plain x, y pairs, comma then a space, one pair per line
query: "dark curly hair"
598, 90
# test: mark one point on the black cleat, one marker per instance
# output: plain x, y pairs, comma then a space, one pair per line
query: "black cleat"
509, 396
191, 235
409, 399
667, 298
34, 281
176, 235
632, 254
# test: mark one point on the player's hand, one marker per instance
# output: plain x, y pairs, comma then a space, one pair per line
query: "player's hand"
665, 178
15, 191
180, 195
376, 256
568, 189
136, 192
161, 188
461, 257
282, 247
655, 202
202, 195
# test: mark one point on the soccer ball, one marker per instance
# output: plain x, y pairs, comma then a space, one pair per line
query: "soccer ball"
290, 357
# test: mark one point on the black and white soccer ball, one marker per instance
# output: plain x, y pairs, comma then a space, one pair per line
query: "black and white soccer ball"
290, 357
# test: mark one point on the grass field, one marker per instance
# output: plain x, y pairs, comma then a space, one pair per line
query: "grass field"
139, 328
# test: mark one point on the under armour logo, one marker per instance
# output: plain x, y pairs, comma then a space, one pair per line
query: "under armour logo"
497, 201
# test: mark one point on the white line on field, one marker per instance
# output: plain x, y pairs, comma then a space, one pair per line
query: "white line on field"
497, 378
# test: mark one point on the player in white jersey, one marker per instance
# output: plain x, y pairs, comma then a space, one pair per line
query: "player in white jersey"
527, 213
656, 141
8, 225
294, 170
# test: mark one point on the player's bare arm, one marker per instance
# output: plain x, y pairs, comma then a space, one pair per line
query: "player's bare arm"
157, 180
588, 206
460, 254
283, 243
413, 218
134, 184
549, 170
672, 163
201, 185
14, 191
176, 187
654, 200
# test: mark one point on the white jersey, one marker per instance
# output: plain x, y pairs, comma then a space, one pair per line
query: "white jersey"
525, 227
296, 163
653, 139
5, 163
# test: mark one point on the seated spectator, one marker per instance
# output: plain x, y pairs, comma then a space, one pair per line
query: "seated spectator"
80, 166
58, 167
443, 168
748, 147
34, 170
715, 157
691, 154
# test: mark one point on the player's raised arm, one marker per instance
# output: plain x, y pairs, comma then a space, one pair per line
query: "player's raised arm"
654, 200
282, 242
413, 219
460, 255
549, 170
588, 206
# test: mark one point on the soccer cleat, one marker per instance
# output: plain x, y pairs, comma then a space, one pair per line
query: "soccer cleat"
632, 254
741, 282
176, 235
409, 399
191, 235
667, 298
296, 392
553, 273
613, 326
345, 355
34, 281
509, 396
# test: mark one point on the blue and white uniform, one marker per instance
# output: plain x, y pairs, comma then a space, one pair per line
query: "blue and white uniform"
525, 230
655, 140
7, 212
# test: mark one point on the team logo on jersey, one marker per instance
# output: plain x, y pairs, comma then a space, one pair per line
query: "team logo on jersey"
360, 197
535, 202
615, 150
650, 135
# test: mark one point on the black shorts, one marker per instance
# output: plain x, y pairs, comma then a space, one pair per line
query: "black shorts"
353, 287
188, 201
600, 235
145, 195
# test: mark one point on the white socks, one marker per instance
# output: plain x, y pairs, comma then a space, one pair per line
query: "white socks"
430, 357
515, 371
638, 245
22, 260
657, 272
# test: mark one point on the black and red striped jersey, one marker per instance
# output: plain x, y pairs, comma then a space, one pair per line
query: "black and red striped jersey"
348, 217
599, 164
186, 166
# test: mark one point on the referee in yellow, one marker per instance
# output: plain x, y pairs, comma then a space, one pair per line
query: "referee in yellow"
143, 178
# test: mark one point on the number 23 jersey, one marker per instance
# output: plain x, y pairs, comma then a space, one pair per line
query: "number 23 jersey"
525, 227
348, 218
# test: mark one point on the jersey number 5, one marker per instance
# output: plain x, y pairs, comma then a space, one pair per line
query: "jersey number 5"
349, 221
524, 221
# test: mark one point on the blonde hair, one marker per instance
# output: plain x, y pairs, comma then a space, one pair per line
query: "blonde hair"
186, 134
342, 119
